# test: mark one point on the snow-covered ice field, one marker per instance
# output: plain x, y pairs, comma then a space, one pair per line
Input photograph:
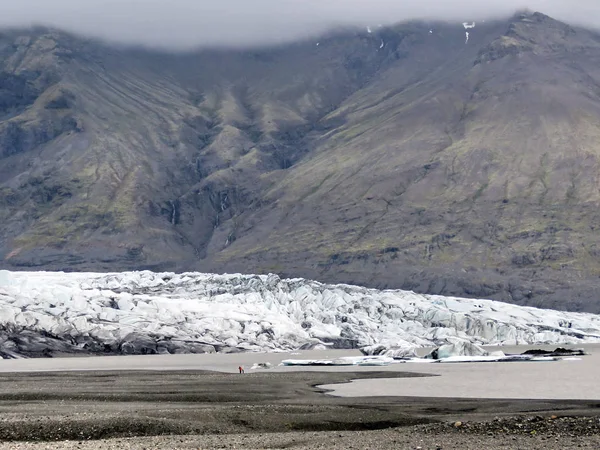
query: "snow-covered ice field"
145, 312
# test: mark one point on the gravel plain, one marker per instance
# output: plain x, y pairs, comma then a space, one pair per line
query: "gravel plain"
566, 434
281, 408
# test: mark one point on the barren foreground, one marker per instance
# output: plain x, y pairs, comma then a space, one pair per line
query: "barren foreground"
200, 409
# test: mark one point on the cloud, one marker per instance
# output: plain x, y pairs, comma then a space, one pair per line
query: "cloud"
196, 23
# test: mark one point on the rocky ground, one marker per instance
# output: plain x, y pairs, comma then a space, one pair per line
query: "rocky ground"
138, 410
530, 432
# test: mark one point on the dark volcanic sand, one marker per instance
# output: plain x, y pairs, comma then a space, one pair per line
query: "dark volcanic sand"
269, 410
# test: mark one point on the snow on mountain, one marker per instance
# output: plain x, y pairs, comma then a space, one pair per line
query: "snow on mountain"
468, 26
43, 313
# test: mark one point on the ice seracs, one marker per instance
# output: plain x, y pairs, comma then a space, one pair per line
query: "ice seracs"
457, 347
146, 312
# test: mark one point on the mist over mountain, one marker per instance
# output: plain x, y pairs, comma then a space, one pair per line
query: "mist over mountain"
410, 156
187, 24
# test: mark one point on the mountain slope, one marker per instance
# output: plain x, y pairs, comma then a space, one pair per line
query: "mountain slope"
483, 182
404, 158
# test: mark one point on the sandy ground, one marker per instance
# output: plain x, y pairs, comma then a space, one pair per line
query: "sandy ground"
216, 362
567, 379
180, 402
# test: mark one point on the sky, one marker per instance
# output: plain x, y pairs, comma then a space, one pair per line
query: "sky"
185, 24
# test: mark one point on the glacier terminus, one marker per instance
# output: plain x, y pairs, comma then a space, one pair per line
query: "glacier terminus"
146, 313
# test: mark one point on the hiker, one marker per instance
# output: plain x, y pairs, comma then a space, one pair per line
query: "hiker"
241, 369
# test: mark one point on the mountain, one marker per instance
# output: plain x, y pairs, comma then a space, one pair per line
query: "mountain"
405, 157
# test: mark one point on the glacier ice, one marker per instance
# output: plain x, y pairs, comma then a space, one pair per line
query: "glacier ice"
398, 350
457, 348
42, 313
342, 361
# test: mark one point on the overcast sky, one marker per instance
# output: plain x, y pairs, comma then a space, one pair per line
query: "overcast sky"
193, 23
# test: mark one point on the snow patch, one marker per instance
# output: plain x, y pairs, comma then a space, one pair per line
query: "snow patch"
468, 26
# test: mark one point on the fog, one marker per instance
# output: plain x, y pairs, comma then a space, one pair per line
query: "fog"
184, 24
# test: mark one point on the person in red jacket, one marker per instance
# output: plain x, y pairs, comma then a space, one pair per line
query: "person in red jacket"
241, 369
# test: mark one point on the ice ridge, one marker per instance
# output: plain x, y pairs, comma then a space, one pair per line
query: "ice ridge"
145, 312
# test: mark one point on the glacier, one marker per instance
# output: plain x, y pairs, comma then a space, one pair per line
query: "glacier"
51, 313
